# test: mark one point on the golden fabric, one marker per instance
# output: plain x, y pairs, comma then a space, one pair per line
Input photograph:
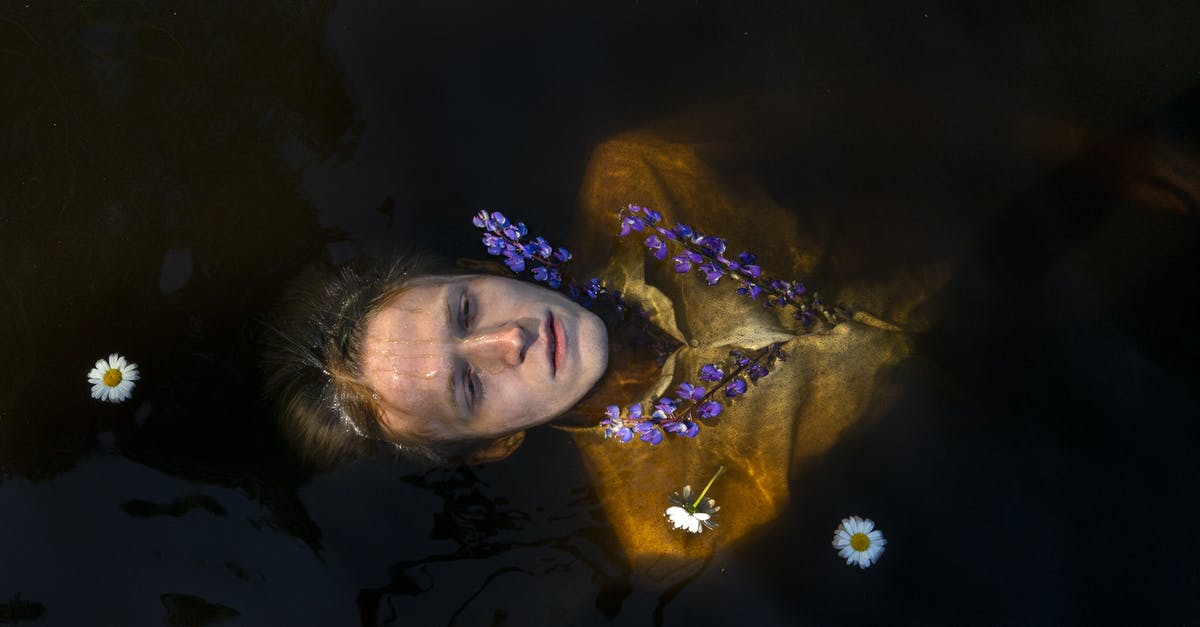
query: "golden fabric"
831, 380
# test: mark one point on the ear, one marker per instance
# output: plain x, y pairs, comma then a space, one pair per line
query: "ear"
497, 450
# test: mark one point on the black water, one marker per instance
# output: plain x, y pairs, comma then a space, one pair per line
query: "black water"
164, 169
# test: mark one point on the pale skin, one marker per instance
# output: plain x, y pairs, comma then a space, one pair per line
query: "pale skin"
479, 357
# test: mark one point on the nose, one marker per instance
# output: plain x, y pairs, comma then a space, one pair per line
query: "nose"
499, 347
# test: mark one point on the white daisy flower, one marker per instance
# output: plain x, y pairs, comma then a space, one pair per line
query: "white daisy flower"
693, 515
112, 379
857, 540
683, 519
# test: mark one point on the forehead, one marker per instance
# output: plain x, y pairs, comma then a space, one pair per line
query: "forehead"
407, 357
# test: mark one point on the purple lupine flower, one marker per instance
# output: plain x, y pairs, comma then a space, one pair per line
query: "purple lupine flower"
562, 255
481, 219
715, 245
709, 409
554, 280
630, 223
689, 392
747, 259
649, 432
683, 261
540, 274
751, 270
684, 231
515, 262
667, 233
653, 216
541, 247
712, 273
495, 245
692, 428
756, 372
739, 357
498, 221
624, 434
678, 428
737, 388
710, 372
665, 405
612, 414
635, 209
635, 411
657, 246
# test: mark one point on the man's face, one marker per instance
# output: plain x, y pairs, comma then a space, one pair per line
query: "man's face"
480, 357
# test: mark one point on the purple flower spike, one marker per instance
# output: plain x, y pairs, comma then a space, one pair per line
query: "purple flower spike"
712, 273
737, 388
709, 409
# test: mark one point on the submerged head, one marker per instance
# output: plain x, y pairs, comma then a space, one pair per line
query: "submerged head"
446, 367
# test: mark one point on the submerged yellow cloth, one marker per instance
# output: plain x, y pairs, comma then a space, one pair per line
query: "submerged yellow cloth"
832, 379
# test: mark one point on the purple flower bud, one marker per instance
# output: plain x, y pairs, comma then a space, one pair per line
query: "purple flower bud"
480, 220
709, 409
747, 258
710, 372
635, 209
757, 371
737, 388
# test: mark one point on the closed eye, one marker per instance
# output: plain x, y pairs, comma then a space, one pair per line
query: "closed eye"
465, 311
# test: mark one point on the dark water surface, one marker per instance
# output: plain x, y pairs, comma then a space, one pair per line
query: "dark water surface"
165, 168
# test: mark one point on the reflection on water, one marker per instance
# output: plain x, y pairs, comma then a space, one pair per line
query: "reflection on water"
165, 169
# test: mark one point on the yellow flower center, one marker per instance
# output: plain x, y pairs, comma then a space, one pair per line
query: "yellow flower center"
860, 542
112, 378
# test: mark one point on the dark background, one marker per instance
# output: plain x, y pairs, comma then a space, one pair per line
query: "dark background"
166, 168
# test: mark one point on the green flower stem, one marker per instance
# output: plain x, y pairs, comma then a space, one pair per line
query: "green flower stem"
705, 490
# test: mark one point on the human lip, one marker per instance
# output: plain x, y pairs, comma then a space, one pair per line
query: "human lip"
560, 344
549, 332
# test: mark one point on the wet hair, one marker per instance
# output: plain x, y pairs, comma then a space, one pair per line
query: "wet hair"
313, 365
